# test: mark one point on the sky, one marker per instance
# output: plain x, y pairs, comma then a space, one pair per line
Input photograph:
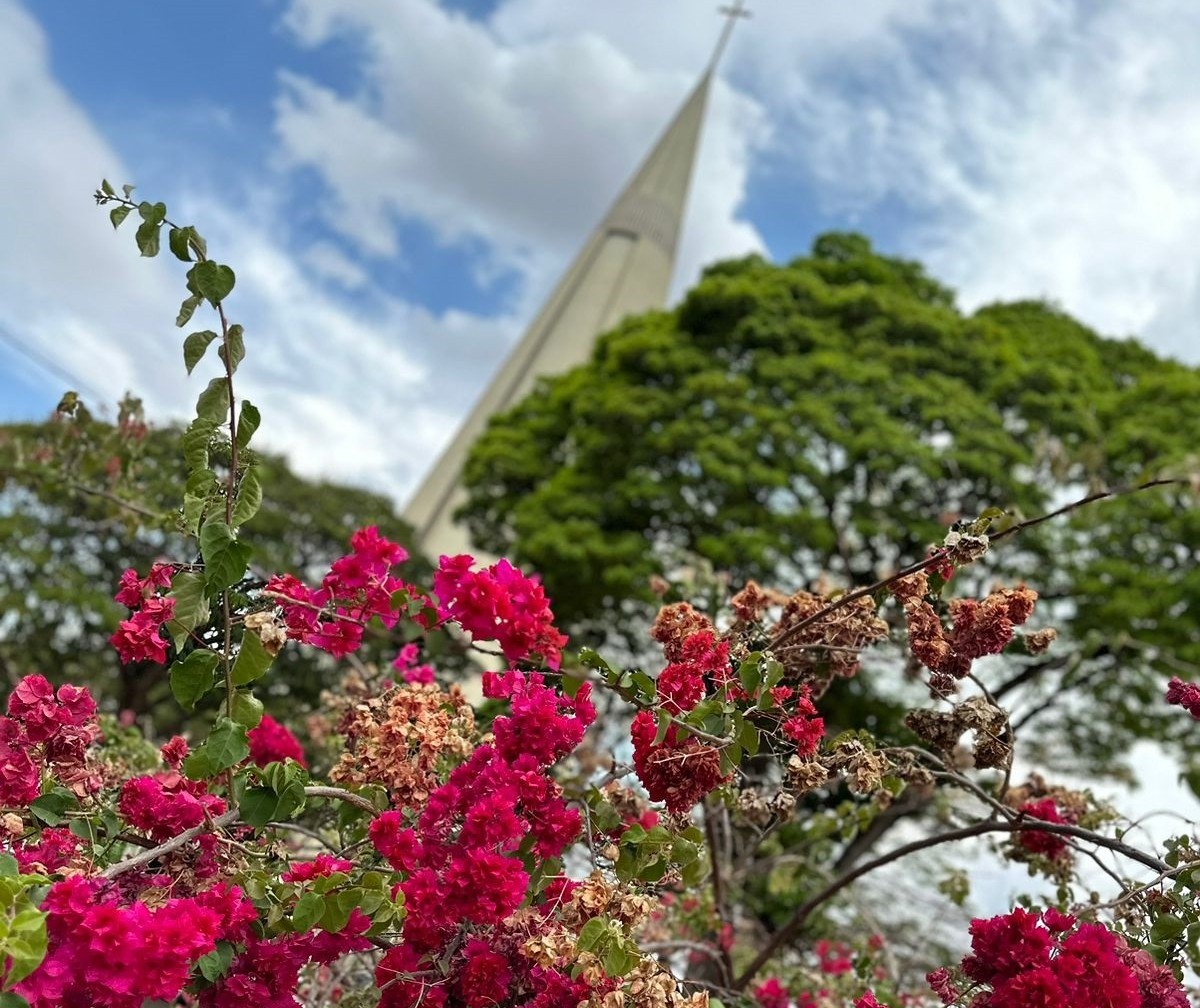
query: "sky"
399, 184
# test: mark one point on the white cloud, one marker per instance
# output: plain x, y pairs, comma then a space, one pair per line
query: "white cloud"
498, 133
67, 286
341, 381
1047, 149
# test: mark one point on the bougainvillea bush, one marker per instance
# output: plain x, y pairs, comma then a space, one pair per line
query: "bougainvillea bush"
406, 847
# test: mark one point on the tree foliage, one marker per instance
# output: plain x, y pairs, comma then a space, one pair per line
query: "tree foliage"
827, 419
82, 500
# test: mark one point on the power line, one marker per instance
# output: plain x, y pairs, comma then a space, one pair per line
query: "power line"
50, 367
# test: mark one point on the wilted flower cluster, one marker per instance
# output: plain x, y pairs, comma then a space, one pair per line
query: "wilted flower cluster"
980, 628
404, 740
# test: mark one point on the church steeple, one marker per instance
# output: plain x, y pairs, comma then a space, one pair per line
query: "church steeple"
623, 269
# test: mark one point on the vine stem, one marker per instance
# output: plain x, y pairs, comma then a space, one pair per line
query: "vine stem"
939, 556
794, 924
220, 822
230, 486
103, 198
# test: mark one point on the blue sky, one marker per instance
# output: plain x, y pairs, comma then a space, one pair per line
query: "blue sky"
398, 184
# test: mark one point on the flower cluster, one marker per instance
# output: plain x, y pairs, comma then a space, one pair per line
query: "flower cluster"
266, 972
1185, 695
139, 638
460, 856
1049, 845
271, 742
56, 848
322, 866
404, 739
358, 586
164, 804
805, 727
46, 732
1032, 960
679, 770
109, 954
499, 603
980, 628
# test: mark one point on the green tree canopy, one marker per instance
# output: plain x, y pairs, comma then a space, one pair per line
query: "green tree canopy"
832, 416
81, 500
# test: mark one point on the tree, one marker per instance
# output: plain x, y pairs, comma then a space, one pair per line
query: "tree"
82, 500
828, 419
504, 865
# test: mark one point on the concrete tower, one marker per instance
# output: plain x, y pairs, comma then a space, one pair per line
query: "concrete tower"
623, 269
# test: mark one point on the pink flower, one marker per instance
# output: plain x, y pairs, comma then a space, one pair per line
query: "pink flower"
271, 742
138, 639
771, 994
322, 866
499, 603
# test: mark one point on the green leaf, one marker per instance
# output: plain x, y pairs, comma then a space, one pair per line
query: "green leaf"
664, 724
252, 661
194, 347
213, 404
198, 765
216, 964
233, 351
147, 238
118, 215
338, 908
225, 558
182, 240
750, 674
9, 868
191, 605
1166, 928
227, 745
192, 677
213, 280
148, 231
618, 960
197, 492
592, 660
128, 189
591, 933
108, 189
259, 806
309, 909
248, 421
247, 709
249, 496
747, 737
195, 442
51, 808
187, 309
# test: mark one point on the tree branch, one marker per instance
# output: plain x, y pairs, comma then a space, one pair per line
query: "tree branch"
796, 922
939, 557
220, 822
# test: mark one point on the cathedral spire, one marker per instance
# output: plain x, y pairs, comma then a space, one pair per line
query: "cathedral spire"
624, 268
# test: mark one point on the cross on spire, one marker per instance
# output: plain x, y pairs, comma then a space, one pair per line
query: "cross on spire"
732, 14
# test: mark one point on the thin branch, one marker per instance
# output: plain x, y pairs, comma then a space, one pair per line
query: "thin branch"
220, 822
154, 853
939, 556
796, 922
718, 889
342, 795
